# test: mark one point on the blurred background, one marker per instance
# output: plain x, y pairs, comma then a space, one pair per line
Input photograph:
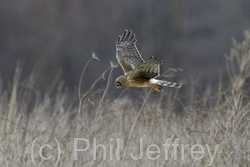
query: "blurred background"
58, 36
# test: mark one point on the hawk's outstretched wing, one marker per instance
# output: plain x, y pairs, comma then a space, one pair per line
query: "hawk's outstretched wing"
146, 70
127, 53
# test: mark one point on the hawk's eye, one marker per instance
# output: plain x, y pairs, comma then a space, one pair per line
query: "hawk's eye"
118, 84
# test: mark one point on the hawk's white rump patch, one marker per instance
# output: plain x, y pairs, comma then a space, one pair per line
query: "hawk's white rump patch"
154, 81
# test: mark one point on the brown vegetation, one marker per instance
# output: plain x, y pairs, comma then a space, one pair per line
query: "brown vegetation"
220, 118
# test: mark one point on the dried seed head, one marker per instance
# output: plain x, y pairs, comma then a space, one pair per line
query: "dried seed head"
94, 55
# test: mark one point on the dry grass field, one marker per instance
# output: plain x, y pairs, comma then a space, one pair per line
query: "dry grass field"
205, 129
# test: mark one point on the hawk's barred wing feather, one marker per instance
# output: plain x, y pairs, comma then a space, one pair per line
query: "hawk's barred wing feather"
146, 70
127, 53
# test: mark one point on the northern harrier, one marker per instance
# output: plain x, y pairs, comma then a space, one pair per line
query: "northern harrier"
137, 72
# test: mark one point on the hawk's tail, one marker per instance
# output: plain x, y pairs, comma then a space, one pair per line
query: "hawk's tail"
164, 83
168, 84
156, 84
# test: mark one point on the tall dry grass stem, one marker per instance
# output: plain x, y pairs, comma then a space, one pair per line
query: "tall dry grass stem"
132, 128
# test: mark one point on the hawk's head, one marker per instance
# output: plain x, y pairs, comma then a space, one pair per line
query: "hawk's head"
121, 81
